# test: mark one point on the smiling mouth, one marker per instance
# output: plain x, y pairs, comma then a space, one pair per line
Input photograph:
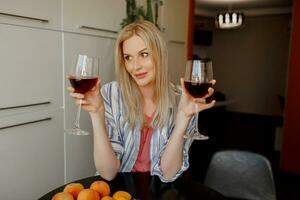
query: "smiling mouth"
141, 75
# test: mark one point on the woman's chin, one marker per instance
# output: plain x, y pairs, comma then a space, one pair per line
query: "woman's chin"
144, 83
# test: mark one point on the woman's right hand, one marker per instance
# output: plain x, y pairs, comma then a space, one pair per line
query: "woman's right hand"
188, 103
91, 101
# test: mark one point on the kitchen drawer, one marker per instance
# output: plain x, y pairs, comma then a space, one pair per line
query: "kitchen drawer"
96, 17
33, 13
31, 68
32, 154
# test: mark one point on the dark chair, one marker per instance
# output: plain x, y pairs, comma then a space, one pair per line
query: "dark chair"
241, 174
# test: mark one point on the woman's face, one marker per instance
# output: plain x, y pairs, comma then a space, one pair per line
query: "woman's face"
138, 61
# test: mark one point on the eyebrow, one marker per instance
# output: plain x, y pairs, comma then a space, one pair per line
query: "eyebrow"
138, 52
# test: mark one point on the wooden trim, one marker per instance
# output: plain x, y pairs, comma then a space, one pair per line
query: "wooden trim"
290, 161
191, 24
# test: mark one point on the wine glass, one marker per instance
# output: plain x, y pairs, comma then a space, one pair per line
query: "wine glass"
198, 78
83, 77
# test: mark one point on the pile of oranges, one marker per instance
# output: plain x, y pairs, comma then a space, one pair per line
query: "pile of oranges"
98, 190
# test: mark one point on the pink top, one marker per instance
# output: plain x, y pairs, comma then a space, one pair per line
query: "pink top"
142, 163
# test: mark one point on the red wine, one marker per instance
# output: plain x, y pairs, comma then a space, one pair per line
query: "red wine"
196, 89
82, 85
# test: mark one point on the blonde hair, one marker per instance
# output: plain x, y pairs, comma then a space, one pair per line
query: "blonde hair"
131, 94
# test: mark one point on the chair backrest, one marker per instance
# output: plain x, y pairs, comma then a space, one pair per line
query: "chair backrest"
241, 174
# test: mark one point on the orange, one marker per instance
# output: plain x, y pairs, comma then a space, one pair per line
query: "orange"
121, 198
88, 194
121, 195
101, 187
73, 189
62, 196
107, 198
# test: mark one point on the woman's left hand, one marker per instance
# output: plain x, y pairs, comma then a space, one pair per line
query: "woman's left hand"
190, 105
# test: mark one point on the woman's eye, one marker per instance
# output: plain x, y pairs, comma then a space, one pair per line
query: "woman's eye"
144, 54
128, 58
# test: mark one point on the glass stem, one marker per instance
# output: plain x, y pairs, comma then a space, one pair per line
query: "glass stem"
76, 125
196, 115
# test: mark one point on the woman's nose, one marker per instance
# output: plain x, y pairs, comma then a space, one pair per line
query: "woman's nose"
136, 64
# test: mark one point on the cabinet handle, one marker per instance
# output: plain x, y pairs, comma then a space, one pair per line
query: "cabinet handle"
97, 29
26, 105
25, 123
176, 42
25, 17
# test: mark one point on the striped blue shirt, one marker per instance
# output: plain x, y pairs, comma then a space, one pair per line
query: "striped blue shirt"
125, 139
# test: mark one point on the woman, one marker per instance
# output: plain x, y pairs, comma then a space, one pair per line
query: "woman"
137, 124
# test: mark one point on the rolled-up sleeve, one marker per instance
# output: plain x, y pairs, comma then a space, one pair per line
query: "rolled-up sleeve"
185, 161
111, 106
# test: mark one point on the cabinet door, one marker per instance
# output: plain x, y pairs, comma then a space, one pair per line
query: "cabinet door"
31, 153
79, 150
99, 17
31, 68
176, 60
175, 18
34, 13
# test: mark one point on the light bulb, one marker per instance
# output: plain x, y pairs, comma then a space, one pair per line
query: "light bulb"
234, 18
227, 18
220, 19
240, 19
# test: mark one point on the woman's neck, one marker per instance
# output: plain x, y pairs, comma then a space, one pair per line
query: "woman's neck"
148, 92
149, 99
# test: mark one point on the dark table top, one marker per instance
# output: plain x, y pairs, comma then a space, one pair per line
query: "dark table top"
143, 186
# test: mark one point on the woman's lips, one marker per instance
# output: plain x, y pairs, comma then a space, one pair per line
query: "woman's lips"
140, 75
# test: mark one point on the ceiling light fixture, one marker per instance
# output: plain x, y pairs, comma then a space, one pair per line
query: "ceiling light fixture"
229, 20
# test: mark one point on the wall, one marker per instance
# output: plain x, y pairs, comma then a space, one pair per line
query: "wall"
250, 63
291, 139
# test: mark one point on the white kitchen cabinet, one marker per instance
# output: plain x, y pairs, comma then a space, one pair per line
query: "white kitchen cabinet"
96, 17
175, 18
31, 68
31, 113
176, 61
79, 149
33, 13
31, 153
175, 24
